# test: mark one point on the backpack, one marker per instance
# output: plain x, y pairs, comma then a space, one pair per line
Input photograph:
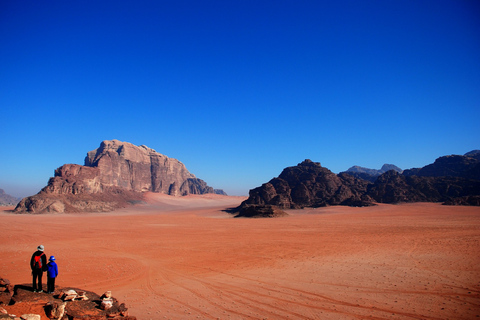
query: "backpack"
37, 264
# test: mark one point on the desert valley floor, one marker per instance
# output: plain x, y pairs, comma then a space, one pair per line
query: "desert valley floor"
186, 258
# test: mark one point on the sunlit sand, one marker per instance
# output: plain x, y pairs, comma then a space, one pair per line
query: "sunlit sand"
186, 258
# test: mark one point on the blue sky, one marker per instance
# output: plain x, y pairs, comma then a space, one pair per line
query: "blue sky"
237, 90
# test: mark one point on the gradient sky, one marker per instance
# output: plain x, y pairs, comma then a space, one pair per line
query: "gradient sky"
237, 90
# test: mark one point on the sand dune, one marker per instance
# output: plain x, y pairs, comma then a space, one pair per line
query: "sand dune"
185, 258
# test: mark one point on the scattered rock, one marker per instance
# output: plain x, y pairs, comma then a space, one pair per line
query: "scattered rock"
107, 295
82, 295
6, 291
106, 304
55, 308
68, 295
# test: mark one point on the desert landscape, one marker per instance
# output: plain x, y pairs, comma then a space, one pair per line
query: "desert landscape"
187, 258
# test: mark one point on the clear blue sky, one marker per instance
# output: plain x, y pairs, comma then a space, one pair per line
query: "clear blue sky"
237, 90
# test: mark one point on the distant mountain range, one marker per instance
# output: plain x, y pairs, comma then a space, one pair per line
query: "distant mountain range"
7, 200
371, 174
453, 180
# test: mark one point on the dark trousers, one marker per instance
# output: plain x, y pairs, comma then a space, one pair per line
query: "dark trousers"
51, 284
37, 275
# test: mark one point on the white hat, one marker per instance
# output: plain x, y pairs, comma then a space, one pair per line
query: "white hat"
40, 247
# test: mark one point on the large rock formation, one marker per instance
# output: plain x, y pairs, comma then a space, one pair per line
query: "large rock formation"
309, 185
114, 175
452, 180
124, 165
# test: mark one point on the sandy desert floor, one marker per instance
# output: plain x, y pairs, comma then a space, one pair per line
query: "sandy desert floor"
185, 258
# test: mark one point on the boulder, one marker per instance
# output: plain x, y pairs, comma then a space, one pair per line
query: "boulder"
68, 295
55, 310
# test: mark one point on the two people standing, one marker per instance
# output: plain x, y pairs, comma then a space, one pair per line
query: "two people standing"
38, 264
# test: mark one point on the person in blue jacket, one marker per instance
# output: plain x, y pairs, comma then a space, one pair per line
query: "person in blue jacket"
52, 273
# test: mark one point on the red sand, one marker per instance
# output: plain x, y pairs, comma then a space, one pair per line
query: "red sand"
184, 258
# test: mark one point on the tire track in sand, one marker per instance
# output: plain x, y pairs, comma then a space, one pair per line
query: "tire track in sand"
313, 297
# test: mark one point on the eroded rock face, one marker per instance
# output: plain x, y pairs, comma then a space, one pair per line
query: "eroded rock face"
309, 185
452, 180
392, 187
122, 164
114, 175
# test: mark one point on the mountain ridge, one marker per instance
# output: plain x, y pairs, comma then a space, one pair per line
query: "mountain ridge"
450, 179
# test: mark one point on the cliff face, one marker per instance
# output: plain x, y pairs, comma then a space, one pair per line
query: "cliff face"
124, 165
115, 174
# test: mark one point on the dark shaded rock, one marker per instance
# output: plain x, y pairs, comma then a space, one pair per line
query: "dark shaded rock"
260, 211
449, 166
391, 187
473, 154
464, 201
6, 291
308, 185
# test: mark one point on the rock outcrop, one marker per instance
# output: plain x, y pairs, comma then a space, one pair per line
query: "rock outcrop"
450, 166
452, 180
260, 211
17, 300
309, 185
392, 187
124, 165
114, 175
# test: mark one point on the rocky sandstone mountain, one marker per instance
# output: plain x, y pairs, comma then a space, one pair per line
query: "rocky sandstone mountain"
114, 175
309, 185
466, 166
451, 180
7, 200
